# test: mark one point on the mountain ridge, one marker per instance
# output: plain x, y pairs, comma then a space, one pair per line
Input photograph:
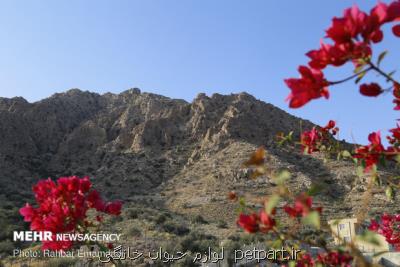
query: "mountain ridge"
171, 155
142, 118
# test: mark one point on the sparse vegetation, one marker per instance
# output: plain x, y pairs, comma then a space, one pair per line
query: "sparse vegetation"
222, 224
198, 242
175, 228
61, 262
199, 219
134, 231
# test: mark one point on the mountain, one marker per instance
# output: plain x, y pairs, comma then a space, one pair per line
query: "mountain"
133, 142
163, 154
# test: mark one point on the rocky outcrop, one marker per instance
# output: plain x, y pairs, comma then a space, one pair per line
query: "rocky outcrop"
137, 143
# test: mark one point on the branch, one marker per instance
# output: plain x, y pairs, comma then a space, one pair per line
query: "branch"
351, 77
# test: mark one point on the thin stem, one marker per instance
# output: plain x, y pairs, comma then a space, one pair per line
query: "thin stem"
381, 72
351, 77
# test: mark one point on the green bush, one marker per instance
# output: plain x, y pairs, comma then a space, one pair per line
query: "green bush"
198, 242
161, 219
132, 214
6, 247
199, 219
174, 228
114, 219
134, 231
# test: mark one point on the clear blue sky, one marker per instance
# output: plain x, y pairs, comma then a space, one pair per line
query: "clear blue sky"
181, 48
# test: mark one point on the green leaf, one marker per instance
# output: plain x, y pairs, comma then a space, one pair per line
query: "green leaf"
370, 237
346, 154
276, 243
271, 203
360, 76
389, 192
290, 136
361, 65
390, 74
282, 177
239, 209
242, 202
315, 189
381, 57
382, 161
312, 219
377, 180
374, 169
360, 171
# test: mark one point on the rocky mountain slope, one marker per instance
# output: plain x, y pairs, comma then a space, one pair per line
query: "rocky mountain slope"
145, 148
131, 142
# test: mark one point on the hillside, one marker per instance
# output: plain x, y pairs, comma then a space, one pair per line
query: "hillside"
161, 155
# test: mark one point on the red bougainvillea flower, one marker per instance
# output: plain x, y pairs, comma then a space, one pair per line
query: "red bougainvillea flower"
373, 23
311, 85
254, 222
114, 208
95, 201
267, 221
338, 54
352, 36
374, 152
372, 89
395, 138
335, 258
305, 261
393, 11
356, 24
302, 206
346, 28
388, 226
396, 90
330, 125
347, 32
396, 94
331, 258
250, 223
371, 153
62, 208
28, 212
257, 222
396, 101
309, 141
326, 55
396, 30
